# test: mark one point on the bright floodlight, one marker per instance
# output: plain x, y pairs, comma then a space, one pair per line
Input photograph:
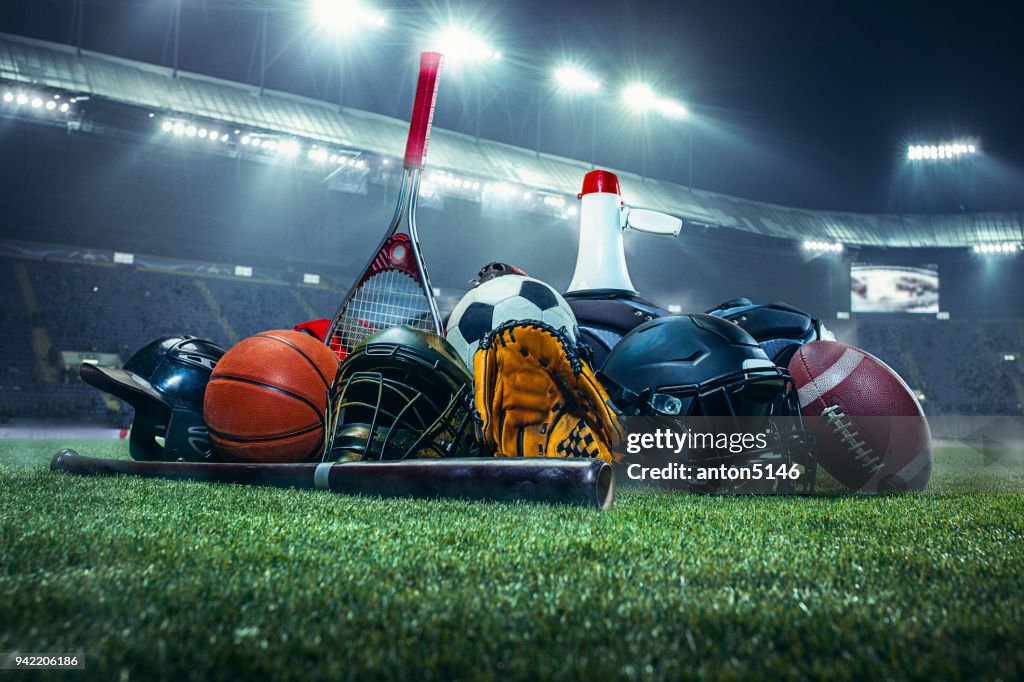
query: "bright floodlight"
461, 45
22, 98
942, 151
997, 248
571, 78
8, 97
823, 247
345, 16
672, 109
639, 96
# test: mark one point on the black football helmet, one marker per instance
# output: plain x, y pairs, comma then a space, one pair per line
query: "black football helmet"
604, 318
165, 382
703, 374
402, 393
779, 327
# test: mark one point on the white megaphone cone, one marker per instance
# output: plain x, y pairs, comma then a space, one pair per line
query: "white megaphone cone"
601, 260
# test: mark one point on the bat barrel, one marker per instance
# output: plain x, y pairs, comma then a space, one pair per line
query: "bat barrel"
584, 482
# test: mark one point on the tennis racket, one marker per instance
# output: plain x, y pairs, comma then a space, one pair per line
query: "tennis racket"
394, 287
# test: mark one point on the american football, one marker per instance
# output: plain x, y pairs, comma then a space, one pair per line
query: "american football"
377, 340
872, 433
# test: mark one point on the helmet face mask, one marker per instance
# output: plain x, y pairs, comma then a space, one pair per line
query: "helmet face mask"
402, 393
718, 387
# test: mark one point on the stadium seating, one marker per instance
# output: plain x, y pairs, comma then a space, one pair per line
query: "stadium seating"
958, 365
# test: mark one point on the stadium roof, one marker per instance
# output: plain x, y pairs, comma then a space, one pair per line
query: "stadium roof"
30, 61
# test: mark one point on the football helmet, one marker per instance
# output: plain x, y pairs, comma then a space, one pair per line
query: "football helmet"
700, 374
402, 393
604, 318
165, 381
778, 327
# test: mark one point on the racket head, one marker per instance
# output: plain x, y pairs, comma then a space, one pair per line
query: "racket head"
390, 295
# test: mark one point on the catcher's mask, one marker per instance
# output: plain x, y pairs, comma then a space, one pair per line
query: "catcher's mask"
165, 381
402, 393
703, 374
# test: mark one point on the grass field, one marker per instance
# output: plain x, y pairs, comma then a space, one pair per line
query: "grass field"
153, 579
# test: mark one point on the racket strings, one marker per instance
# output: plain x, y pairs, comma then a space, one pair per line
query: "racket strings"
387, 299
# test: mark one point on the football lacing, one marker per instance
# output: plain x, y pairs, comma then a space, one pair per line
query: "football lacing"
862, 454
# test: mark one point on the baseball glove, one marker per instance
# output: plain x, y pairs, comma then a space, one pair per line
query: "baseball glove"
536, 397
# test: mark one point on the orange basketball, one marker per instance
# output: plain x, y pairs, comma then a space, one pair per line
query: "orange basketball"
267, 398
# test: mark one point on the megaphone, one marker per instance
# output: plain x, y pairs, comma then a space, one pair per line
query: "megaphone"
601, 259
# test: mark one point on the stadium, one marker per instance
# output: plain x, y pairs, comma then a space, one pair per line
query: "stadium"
143, 200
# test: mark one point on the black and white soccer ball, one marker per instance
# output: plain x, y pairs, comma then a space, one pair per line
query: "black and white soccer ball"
501, 300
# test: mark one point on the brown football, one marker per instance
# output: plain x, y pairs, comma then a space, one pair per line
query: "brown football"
872, 435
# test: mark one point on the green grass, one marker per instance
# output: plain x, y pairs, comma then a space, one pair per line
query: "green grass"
153, 579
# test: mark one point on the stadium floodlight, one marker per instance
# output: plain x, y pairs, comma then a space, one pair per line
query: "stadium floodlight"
167, 126
179, 128
822, 246
36, 102
347, 16
51, 105
461, 45
64, 108
572, 78
640, 97
672, 109
22, 98
8, 96
289, 147
998, 248
944, 151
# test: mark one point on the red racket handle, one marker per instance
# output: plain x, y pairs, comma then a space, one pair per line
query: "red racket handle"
423, 110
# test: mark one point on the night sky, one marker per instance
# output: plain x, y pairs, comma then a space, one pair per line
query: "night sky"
801, 103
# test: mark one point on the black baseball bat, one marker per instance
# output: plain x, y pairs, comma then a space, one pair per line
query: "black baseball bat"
584, 482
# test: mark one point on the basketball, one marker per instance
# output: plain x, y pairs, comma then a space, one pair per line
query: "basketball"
267, 398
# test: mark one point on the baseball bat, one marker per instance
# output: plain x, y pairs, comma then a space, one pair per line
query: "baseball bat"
583, 482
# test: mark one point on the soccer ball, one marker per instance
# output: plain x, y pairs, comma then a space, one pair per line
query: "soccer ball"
501, 300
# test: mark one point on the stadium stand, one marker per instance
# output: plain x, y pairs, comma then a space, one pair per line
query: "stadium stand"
117, 309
